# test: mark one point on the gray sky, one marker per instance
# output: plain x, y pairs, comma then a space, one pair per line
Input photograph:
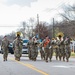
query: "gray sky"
20, 2
14, 12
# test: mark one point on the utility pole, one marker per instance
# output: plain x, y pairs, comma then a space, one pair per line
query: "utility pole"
38, 25
28, 32
32, 30
24, 26
53, 34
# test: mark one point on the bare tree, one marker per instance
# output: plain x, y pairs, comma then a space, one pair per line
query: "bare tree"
69, 12
43, 30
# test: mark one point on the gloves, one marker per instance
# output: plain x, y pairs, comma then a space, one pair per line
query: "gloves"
43, 48
50, 47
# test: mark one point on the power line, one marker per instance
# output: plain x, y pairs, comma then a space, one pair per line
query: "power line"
10, 26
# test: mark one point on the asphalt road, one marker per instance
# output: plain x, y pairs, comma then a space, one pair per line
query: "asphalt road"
39, 67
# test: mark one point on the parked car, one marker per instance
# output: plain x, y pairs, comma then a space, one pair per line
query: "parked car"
10, 48
0, 49
25, 48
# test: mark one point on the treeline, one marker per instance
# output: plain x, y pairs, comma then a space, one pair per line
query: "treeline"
67, 26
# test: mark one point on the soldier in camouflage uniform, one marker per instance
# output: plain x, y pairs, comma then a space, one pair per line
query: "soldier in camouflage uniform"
17, 45
34, 51
30, 47
56, 49
4, 46
51, 48
42, 52
46, 48
67, 48
61, 48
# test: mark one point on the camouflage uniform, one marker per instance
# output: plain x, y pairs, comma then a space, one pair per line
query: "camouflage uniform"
30, 48
34, 51
67, 49
17, 45
42, 51
56, 49
51, 50
4, 45
61, 50
47, 51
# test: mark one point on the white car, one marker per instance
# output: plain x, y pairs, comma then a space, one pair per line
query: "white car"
25, 48
0, 49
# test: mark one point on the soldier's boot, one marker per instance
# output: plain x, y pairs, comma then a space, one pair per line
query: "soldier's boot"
50, 60
15, 58
46, 60
63, 58
3, 58
60, 58
41, 57
18, 59
29, 58
67, 59
44, 57
34, 59
6, 59
56, 58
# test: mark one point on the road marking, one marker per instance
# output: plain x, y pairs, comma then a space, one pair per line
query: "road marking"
30, 66
61, 66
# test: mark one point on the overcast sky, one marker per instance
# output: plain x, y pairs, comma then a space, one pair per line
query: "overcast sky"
13, 12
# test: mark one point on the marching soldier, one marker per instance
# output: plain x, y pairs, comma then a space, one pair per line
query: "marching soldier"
30, 48
42, 52
17, 45
56, 49
51, 48
4, 46
61, 46
46, 47
34, 51
67, 48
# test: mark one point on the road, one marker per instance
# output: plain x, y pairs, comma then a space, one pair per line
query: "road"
39, 67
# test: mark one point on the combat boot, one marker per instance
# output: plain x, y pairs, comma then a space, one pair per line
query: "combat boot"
15, 58
46, 60
18, 59
4, 60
